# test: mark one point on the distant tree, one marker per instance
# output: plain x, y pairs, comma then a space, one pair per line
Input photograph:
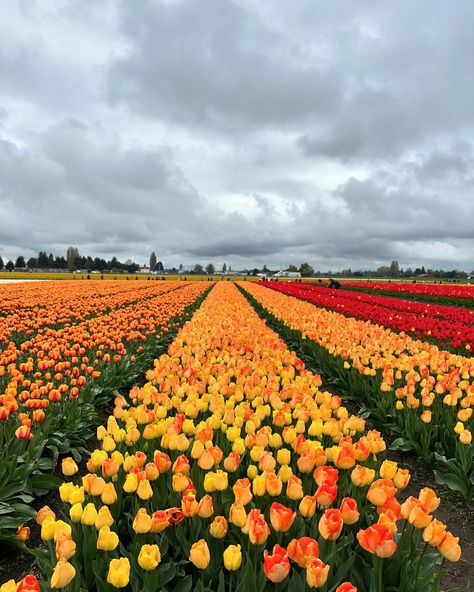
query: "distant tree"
230, 268
153, 262
383, 271
51, 260
160, 267
292, 268
60, 263
394, 269
210, 269
265, 269
255, 271
71, 254
198, 268
20, 261
224, 268
180, 267
43, 261
306, 270
10, 266
1, 262
89, 263
32, 263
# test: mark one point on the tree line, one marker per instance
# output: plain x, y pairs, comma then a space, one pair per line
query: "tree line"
72, 262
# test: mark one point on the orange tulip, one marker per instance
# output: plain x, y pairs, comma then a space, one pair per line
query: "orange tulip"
326, 493
242, 491
349, 512
256, 527
199, 554
294, 488
449, 547
434, 533
277, 566
303, 550
218, 528
316, 573
378, 540
330, 525
281, 517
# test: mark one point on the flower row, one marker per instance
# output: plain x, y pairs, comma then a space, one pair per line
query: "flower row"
421, 393
449, 326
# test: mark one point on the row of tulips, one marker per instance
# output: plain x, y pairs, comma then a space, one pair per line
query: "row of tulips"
418, 392
447, 294
27, 308
448, 326
55, 380
230, 469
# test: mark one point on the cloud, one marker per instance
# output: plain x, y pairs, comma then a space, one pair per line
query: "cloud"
259, 132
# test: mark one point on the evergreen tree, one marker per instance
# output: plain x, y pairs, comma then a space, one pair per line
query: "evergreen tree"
1, 262
20, 261
160, 267
43, 261
224, 268
210, 269
10, 266
153, 262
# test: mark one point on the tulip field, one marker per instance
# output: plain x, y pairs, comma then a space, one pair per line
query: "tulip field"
220, 461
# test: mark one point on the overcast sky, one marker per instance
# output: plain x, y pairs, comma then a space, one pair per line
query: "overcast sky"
252, 132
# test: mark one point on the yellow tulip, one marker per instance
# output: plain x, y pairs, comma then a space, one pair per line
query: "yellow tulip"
232, 557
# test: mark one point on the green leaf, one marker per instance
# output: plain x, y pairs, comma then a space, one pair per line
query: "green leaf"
402, 444
452, 481
296, 583
166, 573
183, 585
11, 490
46, 482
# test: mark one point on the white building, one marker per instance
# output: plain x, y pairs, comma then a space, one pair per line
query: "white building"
288, 274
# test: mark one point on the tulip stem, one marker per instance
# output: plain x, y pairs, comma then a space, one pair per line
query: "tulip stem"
419, 563
437, 582
378, 564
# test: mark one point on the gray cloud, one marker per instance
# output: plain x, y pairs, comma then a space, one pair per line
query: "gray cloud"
259, 132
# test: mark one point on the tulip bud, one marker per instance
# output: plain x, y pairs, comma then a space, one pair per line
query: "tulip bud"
69, 467
316, 573
199, 554
232, 557
149, 557
63, 574
119, 572
107, 540
218, 528
89, 515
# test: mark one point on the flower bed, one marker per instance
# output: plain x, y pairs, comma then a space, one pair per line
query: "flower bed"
231, 470
418, 392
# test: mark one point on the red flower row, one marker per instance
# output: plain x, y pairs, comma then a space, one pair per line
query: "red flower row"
450, 326
441, 290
